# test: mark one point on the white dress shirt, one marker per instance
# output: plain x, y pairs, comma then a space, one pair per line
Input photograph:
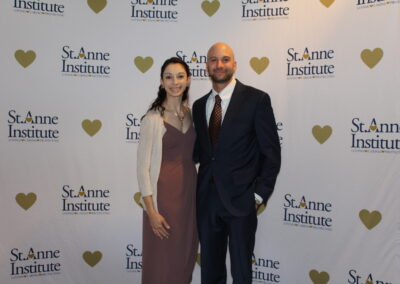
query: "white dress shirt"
225, 95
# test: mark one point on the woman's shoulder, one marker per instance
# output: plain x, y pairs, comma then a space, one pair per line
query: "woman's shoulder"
152, 119
188, 110
152, 115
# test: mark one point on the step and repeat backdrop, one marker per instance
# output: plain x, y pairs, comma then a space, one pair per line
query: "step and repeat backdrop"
77, 76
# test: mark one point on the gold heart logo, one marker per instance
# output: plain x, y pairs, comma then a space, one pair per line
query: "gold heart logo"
31, 255
143, 64
259, 64
210, 8
302, 204
369, 282
327, 3
370, 219
306, 55
319, 277
91, 127
150, 1
371, 58
92, 258
321, 134
28, 119
81, 193
25, 58
97, 5
198, 257
137, 197
373, 127
194, 59
81, 55
25, 200
253, 259
261, 209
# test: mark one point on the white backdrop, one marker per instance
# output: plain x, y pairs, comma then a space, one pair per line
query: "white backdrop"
76, 76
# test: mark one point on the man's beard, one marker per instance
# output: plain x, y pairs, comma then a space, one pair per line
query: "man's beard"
228, 76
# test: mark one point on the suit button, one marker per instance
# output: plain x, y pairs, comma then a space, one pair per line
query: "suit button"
212, 158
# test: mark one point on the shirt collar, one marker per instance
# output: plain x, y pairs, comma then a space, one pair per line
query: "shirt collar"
226, 93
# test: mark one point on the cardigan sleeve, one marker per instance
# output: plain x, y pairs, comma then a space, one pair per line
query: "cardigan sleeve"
144, 150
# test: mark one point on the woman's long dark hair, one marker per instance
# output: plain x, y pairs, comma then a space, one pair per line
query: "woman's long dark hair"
162, 94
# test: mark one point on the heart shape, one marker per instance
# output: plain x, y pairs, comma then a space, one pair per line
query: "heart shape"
25, 200
25, 58
92, 258
369, 282
370, 219
198, 258
373, 127
210, 8
327, 3
91, 127
319, 277
259, 64
302, 204
253, 259
261, 209
138, 199
321, 134
371, 58
143, 64
97, 5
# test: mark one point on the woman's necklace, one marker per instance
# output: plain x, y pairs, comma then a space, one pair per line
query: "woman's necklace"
180, 115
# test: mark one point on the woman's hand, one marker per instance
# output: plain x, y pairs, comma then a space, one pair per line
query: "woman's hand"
157, 222
159, 225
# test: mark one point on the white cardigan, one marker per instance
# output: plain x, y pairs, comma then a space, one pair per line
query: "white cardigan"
149, 155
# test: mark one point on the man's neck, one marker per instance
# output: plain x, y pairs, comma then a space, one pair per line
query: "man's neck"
219, 87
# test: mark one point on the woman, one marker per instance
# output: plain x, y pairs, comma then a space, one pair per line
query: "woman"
167, 181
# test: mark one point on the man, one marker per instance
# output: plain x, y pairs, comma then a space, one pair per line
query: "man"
238, 149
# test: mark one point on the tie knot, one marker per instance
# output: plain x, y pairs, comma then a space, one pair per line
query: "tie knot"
217, 99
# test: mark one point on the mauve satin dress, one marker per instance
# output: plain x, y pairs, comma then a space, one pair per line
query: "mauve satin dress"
171, 261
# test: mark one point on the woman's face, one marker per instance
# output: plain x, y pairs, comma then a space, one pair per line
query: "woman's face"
175, 80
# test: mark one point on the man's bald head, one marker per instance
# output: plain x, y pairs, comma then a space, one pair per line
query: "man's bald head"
221, 46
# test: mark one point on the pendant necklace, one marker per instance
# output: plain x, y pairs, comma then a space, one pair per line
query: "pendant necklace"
181, 117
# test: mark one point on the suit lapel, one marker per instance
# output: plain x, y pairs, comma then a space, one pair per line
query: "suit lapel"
203, 118
233, 108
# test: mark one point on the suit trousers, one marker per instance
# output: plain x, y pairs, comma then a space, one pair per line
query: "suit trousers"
218, 228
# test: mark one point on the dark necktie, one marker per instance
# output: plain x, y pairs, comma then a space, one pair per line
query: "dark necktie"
215, 120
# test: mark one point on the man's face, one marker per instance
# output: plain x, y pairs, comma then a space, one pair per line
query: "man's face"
221, 64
